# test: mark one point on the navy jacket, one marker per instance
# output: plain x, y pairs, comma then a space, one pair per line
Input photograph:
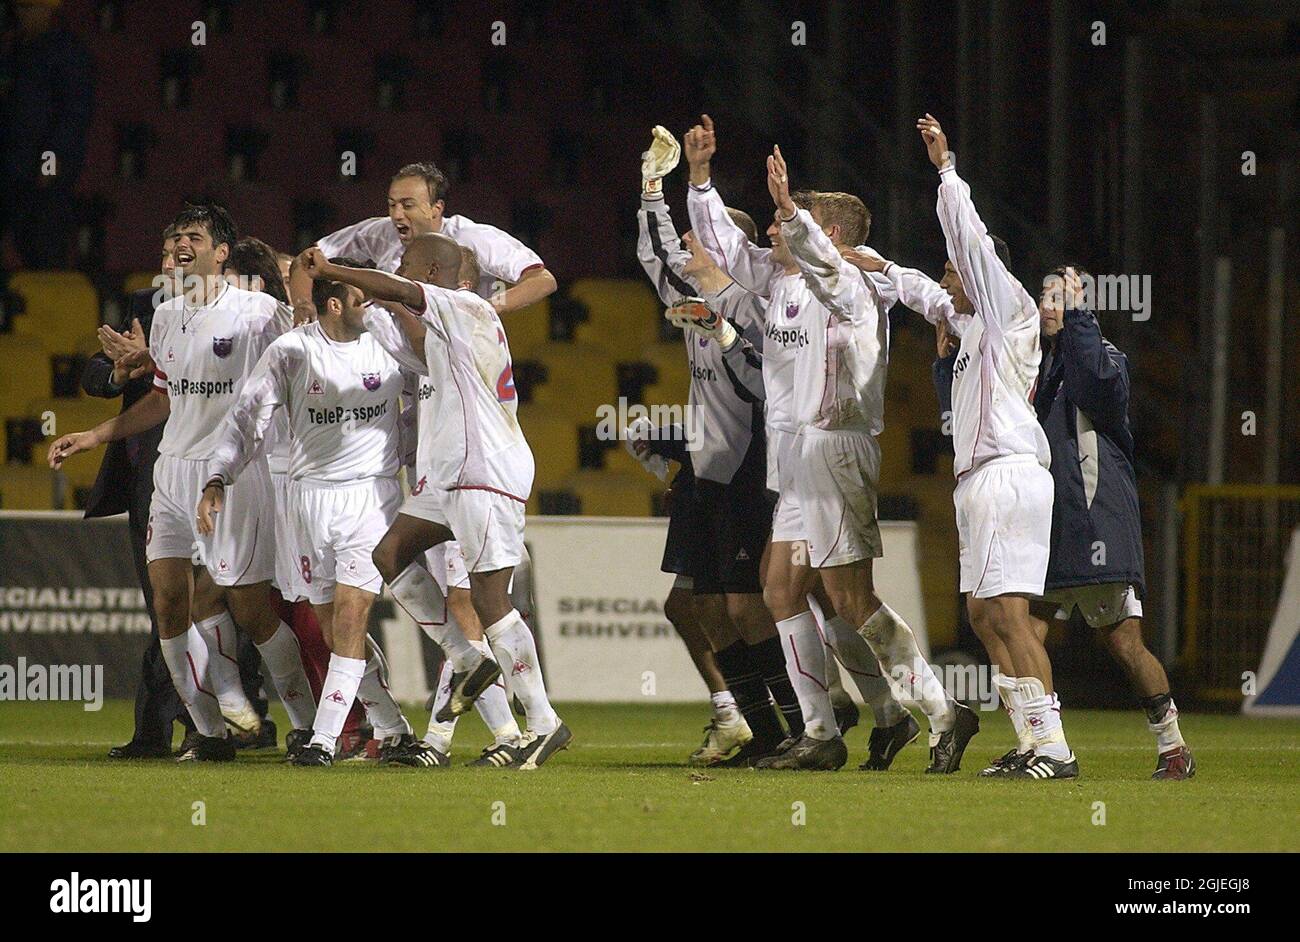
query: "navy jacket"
1082, 404
125, 480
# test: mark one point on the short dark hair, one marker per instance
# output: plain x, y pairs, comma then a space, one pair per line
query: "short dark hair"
427, 171
745, 222
212, 216
252, 256
1002, 251
323, 289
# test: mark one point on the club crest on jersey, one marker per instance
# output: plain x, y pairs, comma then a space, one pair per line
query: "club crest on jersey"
171, 355
704, 342
419, 486
222, 346
314, 388
792, 310
370, 380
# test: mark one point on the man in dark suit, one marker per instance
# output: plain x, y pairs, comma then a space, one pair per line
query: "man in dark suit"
125, 484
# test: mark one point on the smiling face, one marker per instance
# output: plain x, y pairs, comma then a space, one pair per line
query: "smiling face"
410, 209
168, 256
1051, 305
951, 282
196, 255
780, 251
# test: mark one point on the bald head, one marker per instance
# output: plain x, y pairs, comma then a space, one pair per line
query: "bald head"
433, 258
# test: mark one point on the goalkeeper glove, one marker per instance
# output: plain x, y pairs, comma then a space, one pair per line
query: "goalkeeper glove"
639, 430
659, 161
694, 315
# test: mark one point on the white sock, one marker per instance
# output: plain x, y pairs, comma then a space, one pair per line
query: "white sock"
381, 709
1167, 734
493, 705
1043, 717
805, 664
284, 664
337, 692
910, 677
512, 644
418, 593
725, 709
438, 735
223, 667
1009, 690
834, 682
521, 588
187, 661
859, 660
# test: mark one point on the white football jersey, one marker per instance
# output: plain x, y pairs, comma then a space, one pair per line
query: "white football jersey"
341, 401
501, 257
469, 436
996, 370
203, 355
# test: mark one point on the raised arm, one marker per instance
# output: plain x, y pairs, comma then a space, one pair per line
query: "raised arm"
747, 264
658, 247
372, 282
390, 325
1096, 374
998, 298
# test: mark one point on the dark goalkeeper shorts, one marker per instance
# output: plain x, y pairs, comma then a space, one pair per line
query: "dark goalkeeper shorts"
681, 521
729, 531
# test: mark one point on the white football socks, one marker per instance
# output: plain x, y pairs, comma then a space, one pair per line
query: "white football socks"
725, 710
438, 735
493, 705
513, 646
381, 709
284, 664
1043, 717
187, 661
910, 677
1167, 734
859, 660
223, 664
1009, 691
805, 664
338, 691
418, 593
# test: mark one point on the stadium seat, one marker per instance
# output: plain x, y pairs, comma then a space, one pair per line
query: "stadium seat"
60, 307
528, 328
614, 494
26, 487
580, 378
673, 383
554, 441
139, 280
24, 371
622, 315
74, 415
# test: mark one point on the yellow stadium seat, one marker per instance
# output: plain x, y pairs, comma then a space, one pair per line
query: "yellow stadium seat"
554, 441
622, 314
614, 494
61, 307
673, 385
139, 280
528, 328
24, 372
580, 379
74, 415
88, 346
26, 487
619, 460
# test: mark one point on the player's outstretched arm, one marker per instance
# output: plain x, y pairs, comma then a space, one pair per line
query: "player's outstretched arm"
243, 429
532, 286
832, 280
914, 288
658, 247
748, 265
299, 287
999, 299
372, 282
147, 412
1095, 372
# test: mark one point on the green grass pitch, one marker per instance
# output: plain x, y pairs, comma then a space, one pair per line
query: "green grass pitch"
623, 786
